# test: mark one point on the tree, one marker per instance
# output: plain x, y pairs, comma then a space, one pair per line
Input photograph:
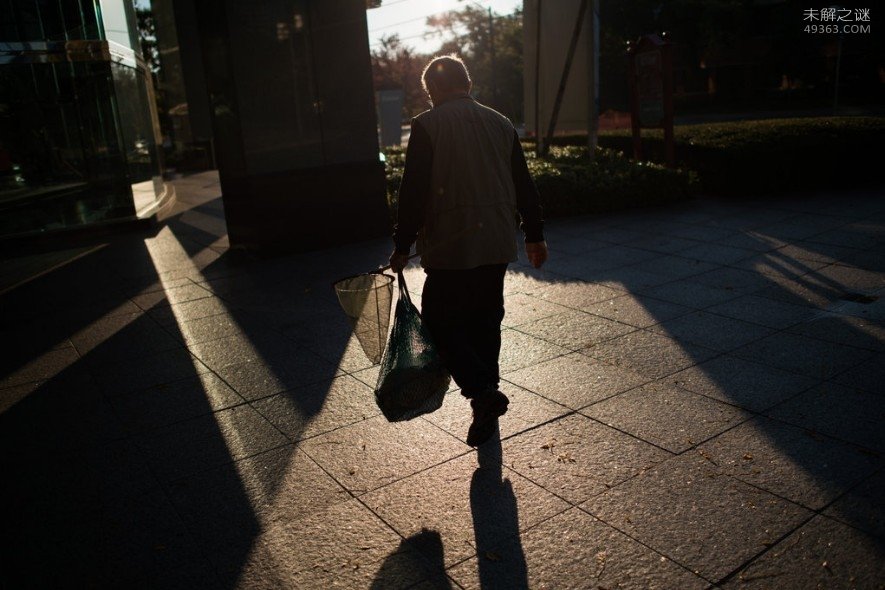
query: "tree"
147, 37
396, 66
497, 81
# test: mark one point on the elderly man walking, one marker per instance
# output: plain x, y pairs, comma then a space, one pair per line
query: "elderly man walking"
465, 180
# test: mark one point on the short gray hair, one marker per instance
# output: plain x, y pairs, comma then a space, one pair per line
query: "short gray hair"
445, 73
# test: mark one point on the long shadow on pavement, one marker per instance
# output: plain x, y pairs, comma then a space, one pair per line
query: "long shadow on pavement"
761, 347
128, 438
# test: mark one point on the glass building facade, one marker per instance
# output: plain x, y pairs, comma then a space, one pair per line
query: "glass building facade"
78, 123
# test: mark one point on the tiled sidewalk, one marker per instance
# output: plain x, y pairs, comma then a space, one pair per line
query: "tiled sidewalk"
696, 393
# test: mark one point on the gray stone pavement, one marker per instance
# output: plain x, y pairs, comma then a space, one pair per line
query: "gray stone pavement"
696, 402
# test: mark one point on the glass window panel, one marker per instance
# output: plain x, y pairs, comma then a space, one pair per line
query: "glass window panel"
27, 17
60, 162
51, 18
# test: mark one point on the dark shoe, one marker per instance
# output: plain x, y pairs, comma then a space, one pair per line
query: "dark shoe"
486, 409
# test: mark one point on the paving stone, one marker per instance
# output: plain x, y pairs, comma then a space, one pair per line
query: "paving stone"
662, 244
576, 294
244, 348
852, 235
742, 383
255, 380
75, 476
575, 246
868, 375
636, 310
369, 454
622, 255
863, 507
575, 329
749, 240
648, 354
843, 329
814, 252
852, 415
689, 294
773, 265
140, 539
208, 441
122, 338
853, 279
320, 407
522, 278
666, 416
868, 311
576, 380
818, 359
406, 564
64, 413
131, 543
465, 503
797, 228
46, 366
821, 554
189, 310
710, 330
133, 288
698, 232
148, 371
170, 295
522, 309
331, 337
173, 402
525, 411
795, 464
716, 253
520, 350
369, 376
229, 505
675, 267
631, 278
207, 329
762, 311
808, 290
742, 282
576, 458
327, 556
574, 550
706, 521
615, 235
589, 267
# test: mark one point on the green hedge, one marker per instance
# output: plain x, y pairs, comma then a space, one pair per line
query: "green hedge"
569, 185
751, 158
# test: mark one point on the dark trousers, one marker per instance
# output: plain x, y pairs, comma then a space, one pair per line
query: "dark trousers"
462, 310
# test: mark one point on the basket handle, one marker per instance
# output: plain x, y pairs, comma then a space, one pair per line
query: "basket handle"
383, 268
403, 292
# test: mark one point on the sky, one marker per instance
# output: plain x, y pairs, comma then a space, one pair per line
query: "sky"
408, 17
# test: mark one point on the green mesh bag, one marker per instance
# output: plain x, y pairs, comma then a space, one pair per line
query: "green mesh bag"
413, 380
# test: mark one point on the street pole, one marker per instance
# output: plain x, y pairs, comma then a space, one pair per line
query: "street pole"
492, 59
539, 144
593, 80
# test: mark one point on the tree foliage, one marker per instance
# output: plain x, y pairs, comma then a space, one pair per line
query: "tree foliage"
496, 68
395, 65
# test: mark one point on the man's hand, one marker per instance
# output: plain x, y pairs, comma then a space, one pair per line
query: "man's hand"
398, 261
536, 252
